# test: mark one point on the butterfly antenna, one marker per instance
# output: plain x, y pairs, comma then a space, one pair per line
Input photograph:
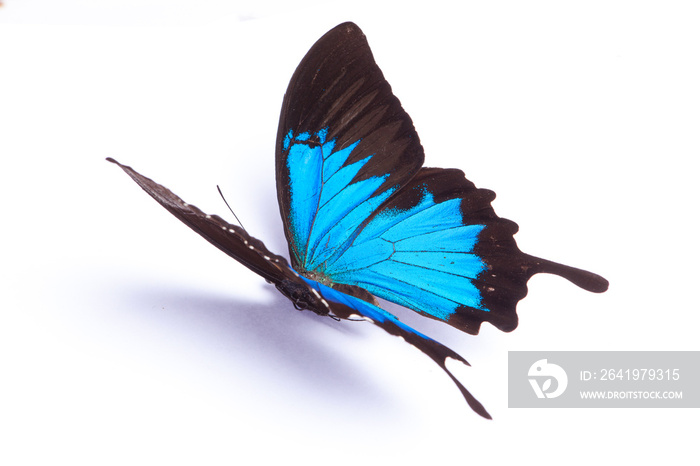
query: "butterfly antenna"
229, 208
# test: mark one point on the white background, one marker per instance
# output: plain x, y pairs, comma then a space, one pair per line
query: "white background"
126, 339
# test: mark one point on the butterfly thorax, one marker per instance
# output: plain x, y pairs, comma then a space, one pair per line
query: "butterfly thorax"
316, 276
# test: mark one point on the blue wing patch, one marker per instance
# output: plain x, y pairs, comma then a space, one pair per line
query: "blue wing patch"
420, 255
327, 207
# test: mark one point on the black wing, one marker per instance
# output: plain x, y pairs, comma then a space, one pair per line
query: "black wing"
231, 239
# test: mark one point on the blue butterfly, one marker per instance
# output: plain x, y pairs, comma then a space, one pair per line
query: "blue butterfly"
364, 218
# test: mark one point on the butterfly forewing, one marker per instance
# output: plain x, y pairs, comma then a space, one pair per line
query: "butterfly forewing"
344, 145
231, 239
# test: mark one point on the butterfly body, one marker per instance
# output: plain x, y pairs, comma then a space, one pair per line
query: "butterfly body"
364, 218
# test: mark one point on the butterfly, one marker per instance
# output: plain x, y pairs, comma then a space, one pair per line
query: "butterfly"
364, 219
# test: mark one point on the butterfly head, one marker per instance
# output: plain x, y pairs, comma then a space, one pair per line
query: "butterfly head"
303, 297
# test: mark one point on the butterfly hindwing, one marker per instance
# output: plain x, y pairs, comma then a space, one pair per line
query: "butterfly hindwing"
420, 249
438, 247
